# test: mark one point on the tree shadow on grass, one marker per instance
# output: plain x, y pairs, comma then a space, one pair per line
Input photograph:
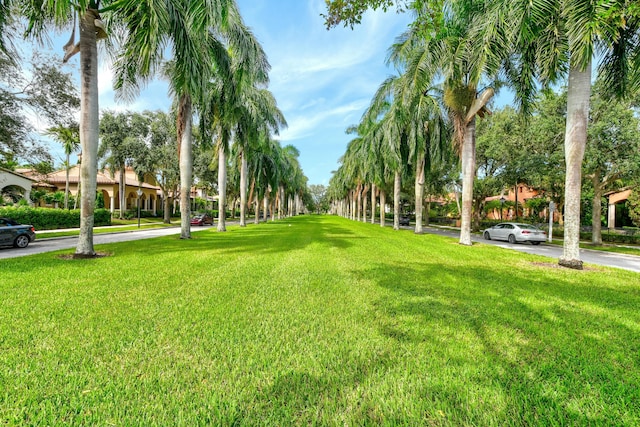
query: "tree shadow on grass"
298, 397
545, 350
274, 237
271, 238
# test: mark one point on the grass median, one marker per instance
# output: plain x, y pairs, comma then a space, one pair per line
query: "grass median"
316, 320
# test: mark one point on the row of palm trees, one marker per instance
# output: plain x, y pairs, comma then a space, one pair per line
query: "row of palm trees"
273, 176
451, 62
218, 72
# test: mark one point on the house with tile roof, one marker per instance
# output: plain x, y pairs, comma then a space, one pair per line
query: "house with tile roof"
107, 185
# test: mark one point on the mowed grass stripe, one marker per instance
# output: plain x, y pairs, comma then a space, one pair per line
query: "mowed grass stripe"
316, 320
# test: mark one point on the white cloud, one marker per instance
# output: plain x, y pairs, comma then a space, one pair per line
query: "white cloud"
305, 125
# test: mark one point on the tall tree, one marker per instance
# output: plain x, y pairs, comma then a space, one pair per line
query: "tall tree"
552, 39
257, 113
164, 153
69, 137
120, 133
40, 16
198, 34
319, 193
37, 87
146, 27
442, 48
612, 152
240, 62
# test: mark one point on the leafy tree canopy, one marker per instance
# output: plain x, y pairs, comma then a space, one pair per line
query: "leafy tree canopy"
37, 90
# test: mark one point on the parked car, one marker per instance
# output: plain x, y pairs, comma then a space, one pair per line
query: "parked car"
404, 219
514, 232
16, 234
202, 219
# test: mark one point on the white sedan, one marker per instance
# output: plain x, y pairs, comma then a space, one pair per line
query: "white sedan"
514, 232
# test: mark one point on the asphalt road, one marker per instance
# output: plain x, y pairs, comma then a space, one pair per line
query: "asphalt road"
609, 259
41, 245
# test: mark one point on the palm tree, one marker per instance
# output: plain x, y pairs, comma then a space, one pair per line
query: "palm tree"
446, 51
91, 29
69, 137
419, 115
265, 167
292, 181
199, 34
146, 27
228, 96
258, 114
40, 16
554, 38
353, 171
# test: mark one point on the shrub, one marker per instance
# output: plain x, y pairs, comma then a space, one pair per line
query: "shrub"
607, 237
51, 219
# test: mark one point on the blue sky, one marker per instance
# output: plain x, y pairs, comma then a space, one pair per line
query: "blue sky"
323, 80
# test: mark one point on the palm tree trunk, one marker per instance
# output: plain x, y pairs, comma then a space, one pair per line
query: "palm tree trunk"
373, 203
222, 186
358, 202
419, 188
265, 206
596, 222
167, 207
256, 218
365, 190
468, 174
66, 185
383, 203
574, 145
89, 127
186, 165
281, 200
353, 204
121, 191
397, 182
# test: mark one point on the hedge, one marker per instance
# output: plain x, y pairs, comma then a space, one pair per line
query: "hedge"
632, 239
51, 219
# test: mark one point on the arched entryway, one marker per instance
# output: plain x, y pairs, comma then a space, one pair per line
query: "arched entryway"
618, 215
14, 186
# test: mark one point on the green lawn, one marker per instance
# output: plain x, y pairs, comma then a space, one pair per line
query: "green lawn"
316, 321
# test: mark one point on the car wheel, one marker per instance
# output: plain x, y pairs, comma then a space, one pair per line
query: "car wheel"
21, 241
535, 243
512, 238
487, 236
